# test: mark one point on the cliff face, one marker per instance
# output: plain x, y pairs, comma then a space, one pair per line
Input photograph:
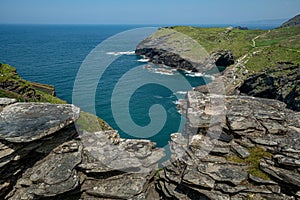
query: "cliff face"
251, 151
174, 49
255, 154
12, 85
281, 83
233, 147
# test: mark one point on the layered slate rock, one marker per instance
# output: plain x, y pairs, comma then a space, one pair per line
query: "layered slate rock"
234, 147
27, 122
50, 159
28, 132
281, 83
52, 176
263, 140
119, 168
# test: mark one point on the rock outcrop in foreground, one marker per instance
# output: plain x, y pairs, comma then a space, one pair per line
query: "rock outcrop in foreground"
249, 151
43, 156
255, 155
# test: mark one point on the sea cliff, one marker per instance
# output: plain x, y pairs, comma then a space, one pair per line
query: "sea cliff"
234, 146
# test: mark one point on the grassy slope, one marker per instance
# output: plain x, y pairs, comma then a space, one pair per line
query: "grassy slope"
8, 74
87, 121
278, 45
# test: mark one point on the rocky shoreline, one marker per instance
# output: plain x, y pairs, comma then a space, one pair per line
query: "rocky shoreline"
254, 154
233, 147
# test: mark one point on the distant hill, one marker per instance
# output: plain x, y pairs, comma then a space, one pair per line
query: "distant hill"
277, 22
295, 21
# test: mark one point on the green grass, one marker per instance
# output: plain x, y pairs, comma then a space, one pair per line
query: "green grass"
86, 121
278, 45
256, 154
91, 123
9, 75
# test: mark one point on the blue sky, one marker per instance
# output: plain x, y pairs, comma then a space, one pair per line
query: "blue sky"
144, 12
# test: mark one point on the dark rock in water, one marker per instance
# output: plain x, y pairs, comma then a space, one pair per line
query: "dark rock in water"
295, 21
281, 83
159, 56
222, 58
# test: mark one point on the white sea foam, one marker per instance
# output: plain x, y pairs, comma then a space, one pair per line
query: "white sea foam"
121, 53
143, 60
164, 71
181, 92
195, 74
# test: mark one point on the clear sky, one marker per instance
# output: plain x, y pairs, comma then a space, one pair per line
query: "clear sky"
144, 11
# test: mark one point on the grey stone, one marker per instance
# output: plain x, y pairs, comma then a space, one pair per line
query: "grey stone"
229, 189
264, 142
258, 189
212, 195
225, 173
127, 155
284, 175
26, 122
258, 180
240, 151
124, 186
287, 161
53, 175
6, 101
194, 177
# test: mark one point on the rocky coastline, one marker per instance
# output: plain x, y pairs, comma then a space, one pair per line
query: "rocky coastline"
233, 147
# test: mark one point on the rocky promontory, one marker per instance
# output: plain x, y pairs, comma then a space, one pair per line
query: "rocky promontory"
250, 152
254, 154
237, 145
44, 156
173, 49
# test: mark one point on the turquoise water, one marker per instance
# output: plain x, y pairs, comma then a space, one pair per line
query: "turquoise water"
53, 54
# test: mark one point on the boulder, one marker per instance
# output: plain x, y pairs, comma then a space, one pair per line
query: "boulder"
27, 122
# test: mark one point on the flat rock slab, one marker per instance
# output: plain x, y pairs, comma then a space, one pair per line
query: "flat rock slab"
7, 101
53, 175
123, 186
26, 122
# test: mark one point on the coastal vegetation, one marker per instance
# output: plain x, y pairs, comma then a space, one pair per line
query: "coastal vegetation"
263, 48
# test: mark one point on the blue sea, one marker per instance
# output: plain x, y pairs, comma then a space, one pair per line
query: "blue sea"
53, 54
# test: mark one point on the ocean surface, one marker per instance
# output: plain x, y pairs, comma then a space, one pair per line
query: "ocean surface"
53, 54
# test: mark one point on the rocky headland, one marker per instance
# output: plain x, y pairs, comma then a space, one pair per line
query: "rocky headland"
234, 146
